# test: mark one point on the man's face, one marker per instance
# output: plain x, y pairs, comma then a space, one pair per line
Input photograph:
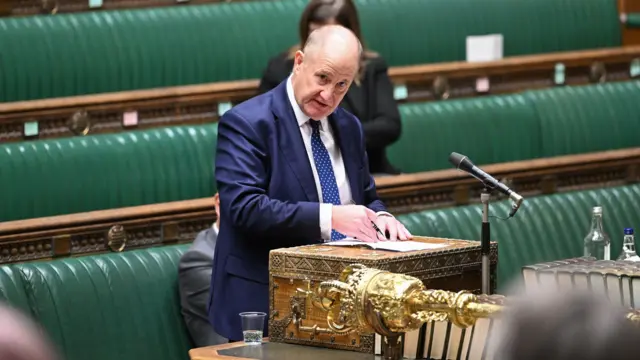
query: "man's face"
321, 81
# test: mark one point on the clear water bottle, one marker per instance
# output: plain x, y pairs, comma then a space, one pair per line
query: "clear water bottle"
597, 242
628, 246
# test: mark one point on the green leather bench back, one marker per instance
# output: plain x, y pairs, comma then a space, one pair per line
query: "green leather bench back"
78, 174
436, 30
485, 128
576, 119
121, 306
62, 176
108, 51
546, 228
532, 124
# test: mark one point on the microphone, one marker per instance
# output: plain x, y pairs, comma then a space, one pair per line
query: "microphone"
461, 162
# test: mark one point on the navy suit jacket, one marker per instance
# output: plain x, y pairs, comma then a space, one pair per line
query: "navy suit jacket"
268, 198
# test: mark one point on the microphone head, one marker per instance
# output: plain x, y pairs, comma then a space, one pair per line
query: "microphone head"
460, 161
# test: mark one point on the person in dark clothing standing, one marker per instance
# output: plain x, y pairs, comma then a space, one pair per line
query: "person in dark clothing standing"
370, 97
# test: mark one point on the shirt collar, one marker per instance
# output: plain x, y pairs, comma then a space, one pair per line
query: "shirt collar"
215, 228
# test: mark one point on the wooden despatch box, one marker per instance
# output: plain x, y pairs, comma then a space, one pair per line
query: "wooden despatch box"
293, 271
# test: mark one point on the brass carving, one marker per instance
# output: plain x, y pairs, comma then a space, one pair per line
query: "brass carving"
597, 72
117, 238
79, 123
441, 88
368, 300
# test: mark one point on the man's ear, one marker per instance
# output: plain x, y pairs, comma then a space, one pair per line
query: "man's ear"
298, 59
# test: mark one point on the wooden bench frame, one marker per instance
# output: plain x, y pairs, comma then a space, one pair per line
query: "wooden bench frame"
196, 104
179, 222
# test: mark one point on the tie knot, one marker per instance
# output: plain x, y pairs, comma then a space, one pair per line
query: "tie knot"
315, 124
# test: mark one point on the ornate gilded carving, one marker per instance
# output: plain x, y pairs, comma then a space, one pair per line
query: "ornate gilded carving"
366, 300
117, 238
597, 72
24, 251
441, 88
79, 123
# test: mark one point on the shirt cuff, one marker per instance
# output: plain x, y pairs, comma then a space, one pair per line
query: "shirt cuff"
325, 221
383, 213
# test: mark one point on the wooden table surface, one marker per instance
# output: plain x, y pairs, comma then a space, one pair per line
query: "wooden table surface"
274, 351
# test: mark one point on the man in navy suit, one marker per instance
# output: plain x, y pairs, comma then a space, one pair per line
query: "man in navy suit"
291, 170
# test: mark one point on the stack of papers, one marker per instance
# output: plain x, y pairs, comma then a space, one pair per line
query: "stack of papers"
401, 246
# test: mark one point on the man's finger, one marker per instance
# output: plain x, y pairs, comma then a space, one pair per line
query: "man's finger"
408, 234
380, 223
368, 234
393, 229
402, 235
371, 214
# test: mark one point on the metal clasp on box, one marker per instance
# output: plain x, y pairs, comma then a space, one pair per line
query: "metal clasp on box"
298, 309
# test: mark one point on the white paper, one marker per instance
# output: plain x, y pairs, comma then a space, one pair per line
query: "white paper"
484, 48
400, 246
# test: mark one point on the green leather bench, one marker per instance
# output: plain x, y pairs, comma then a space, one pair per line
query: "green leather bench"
96, 172
79, 174
546, 228
532, 124
121, 306
110, 51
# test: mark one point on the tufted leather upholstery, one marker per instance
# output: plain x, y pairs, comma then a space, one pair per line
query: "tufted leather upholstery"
596, 118
108, 51
532, 124
176, 163
546, 228
121, 306
483, 128
78, 174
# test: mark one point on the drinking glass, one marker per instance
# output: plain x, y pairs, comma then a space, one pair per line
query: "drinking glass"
252, 327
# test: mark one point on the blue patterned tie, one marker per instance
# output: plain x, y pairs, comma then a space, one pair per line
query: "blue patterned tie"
328, 182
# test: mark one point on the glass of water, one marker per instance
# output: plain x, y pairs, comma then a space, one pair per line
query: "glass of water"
252, 327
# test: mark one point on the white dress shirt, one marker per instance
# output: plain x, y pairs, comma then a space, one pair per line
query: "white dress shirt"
326, 135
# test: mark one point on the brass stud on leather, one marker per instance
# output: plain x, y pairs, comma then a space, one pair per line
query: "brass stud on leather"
79, 123
441, 87
117, 238
597, 72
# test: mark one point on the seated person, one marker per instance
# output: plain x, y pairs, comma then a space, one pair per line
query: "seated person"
194, 280
370, 97
565, 325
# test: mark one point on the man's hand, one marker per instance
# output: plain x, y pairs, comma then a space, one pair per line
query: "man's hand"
355, 221
396, 230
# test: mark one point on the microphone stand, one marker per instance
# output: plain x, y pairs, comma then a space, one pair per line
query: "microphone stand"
485, 237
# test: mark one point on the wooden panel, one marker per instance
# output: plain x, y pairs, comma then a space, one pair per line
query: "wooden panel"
102, 113
630, 36
35, 7
179, 222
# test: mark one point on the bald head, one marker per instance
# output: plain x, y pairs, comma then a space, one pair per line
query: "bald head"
324, 70
333, 40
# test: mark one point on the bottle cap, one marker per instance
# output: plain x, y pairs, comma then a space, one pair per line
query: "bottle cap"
628, 231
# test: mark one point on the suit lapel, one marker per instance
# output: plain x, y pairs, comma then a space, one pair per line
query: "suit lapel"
349, 153
290, 142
